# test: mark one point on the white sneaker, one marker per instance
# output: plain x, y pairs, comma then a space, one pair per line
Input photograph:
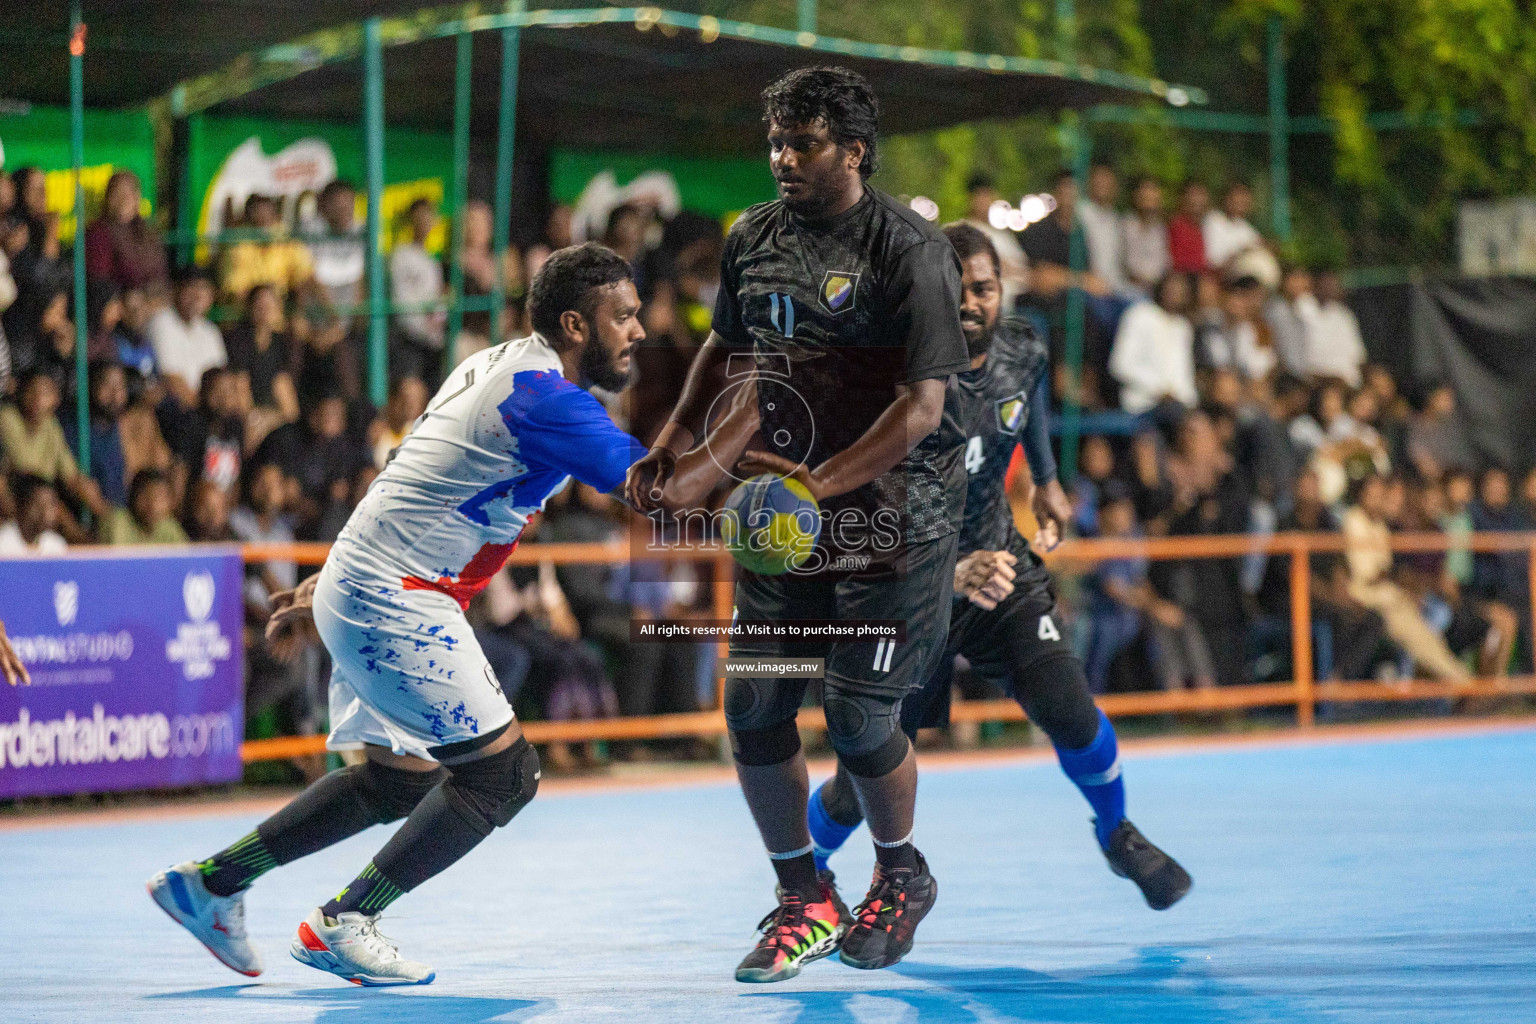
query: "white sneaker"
218, 922
352, 948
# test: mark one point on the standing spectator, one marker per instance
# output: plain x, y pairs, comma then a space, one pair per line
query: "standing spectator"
149, 517
109, 400
1289, 315
1145, 234
1227, 232
416, 282
407, 401
122, 246
35, 531
1186, 234
1368, 551
1437, 441
186, 342
1013, 267
1153, 355
269, 258
1333, 346
1102, 230
261, 354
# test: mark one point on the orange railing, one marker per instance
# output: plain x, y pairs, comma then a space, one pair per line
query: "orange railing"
1303, 693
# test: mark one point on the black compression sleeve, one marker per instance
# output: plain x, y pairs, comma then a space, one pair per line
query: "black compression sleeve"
1037, 434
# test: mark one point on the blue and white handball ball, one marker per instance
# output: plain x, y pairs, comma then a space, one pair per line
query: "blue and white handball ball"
771, 524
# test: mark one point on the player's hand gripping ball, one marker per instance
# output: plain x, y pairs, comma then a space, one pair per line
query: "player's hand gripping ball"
770, 524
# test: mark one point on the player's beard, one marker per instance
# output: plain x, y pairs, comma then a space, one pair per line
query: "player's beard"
597, 367
981, 342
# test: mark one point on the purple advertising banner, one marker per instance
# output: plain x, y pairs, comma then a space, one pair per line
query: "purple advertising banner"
137, 670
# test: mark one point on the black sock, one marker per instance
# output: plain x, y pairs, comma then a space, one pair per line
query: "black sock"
797, 874
434, 836
899, 857
236, 866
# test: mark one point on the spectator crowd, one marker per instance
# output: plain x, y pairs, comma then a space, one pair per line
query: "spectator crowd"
227, 403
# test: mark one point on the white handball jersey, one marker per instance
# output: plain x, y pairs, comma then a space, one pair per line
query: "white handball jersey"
505, 431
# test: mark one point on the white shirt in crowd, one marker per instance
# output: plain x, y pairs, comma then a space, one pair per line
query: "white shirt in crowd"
1333, 346
1102, 234
187, 350
1236, 347
1225, 237
1146, 249
13, 544
416, 278
1011, 260
1153, 358
340, 264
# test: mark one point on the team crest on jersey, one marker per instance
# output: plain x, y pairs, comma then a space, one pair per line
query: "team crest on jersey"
837, 289
1010, 412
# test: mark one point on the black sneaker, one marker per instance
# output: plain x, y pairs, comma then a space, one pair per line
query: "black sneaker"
1162, 881
885, 923
794, 934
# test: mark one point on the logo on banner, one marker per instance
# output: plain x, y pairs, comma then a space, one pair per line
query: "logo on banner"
199, 645
66, 601
837, 290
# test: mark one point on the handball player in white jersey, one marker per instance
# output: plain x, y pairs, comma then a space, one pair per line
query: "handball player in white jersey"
410, 686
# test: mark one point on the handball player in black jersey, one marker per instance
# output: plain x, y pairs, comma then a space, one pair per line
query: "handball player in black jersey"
845, 305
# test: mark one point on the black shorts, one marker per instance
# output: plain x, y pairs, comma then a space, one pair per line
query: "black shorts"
1022, 630
918, 593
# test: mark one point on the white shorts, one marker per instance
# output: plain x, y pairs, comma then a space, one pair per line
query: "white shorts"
406, 670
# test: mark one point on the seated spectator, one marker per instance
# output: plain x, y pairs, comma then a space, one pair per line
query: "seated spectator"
1500, 576
480, 272
144, 445
260, 519
270, 258
325, 459
1145, 235
186, 342
38, 516
415, 282
133, 346
121, 246
41, 337
1290, 314
407, 401
1337, 445
1234, 338
1098, 468
207, 516
149, 517
1123, 606
339, 255
32, 443
1153, 355
1368, 552
109, 400
262, 355
1186, 234
103, 313
210, 442
1437, 441
1102, 228
1048, 245
1227, 231
1333, 346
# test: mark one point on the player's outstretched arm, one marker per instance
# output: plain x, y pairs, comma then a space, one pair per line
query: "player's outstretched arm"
644, 484
700, 469
10, 665
911, 417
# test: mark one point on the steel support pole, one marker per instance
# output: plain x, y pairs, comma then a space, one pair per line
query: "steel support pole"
805, 16
1076, 320
506, 131
1066, 29
462, 79
77, 161
373, 146
1279, 134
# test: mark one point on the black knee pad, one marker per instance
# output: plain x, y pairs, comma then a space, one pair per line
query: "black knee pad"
1054, 694
391, 793
773, 744
488, 792
755, 703
865, 730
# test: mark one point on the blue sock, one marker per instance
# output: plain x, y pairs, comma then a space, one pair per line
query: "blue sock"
827, 835
1095, 769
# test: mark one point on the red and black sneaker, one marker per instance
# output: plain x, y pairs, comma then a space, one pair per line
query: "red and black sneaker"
886, 921
794, 934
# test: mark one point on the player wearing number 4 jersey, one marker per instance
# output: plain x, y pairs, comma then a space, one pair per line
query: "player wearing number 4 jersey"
409, 684
1004, 618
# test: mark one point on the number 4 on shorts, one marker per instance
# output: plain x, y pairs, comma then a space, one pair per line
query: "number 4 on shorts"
1048, 630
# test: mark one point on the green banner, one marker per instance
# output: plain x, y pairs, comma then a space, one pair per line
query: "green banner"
114, 140
595, 182
231, 157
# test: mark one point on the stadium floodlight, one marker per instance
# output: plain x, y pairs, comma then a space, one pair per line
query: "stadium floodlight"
997, 213
1032, 209
1016, 220
1177, 97
925, 208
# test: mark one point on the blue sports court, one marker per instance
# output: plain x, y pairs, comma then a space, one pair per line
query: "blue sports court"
1375, 879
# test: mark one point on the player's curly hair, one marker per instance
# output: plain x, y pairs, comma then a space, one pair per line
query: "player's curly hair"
839, 97
969, 240
569, 279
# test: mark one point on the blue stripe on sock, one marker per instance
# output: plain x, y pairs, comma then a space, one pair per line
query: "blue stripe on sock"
827, 835
1095, 770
